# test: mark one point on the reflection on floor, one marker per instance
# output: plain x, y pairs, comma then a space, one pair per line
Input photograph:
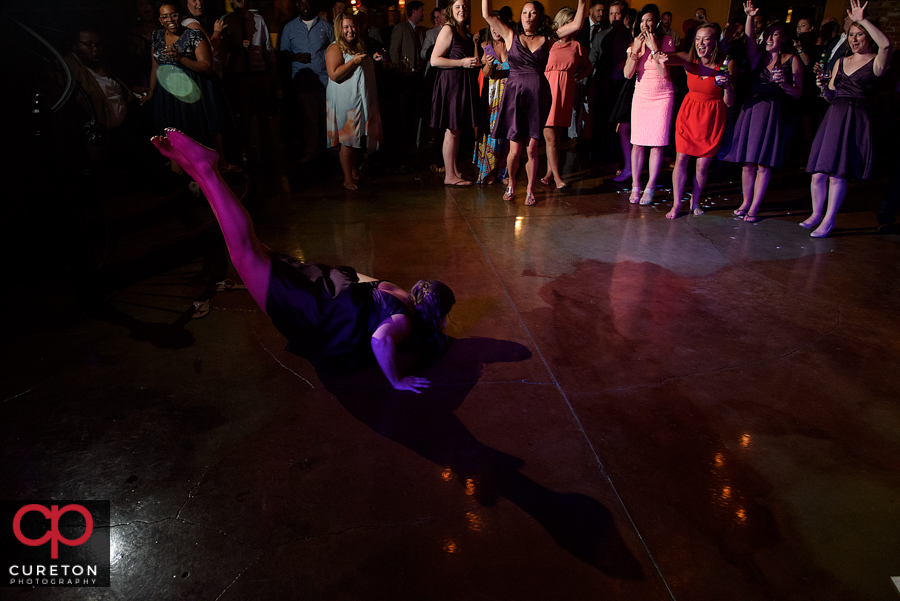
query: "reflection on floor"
633, 408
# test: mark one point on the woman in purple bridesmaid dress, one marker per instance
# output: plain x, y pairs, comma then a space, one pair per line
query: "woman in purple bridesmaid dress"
843, 145
526, 100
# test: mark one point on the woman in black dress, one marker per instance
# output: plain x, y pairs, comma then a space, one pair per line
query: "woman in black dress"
843, 145
334, 317
454, 105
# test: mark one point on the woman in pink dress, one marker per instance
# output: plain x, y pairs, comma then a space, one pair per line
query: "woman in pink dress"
654, 101
566, 64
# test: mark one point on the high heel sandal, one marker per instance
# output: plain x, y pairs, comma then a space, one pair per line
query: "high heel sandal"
647, 198
635, 196
509, 194
529, 199
817, 234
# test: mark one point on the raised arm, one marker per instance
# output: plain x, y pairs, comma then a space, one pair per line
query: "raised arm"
857, 12
496, 23
635, 52
753, 53
572, 27
384, 342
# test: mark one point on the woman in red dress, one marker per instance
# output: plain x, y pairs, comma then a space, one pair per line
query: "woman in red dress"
566, 64
701, 120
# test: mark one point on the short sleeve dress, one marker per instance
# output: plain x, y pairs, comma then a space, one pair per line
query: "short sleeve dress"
700, 124
563, 63
653, 102
326, 313
454, 101
184, 99
526, 101
351, 109
761, 129
843, 143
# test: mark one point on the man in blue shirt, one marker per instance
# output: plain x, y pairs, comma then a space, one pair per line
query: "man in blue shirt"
303, 42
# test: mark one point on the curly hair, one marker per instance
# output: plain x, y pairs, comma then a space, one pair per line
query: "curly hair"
432, 300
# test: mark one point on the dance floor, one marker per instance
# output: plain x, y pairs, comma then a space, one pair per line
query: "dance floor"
633, 408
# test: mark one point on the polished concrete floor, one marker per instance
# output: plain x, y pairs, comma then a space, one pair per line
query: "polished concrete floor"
633, 408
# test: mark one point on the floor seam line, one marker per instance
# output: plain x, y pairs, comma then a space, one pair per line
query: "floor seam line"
563, 393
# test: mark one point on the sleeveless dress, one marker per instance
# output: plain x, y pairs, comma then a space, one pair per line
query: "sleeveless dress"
326, 313
761, 129
454, 102
351, 109
184, 99
653, 102
563, 64
701, 121
843, 144
527, 99
491, 152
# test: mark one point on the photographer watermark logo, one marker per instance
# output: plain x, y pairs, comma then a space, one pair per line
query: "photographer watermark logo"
54, 543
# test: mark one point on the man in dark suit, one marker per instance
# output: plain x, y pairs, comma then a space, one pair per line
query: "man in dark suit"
594, 24
406, 45
608, 55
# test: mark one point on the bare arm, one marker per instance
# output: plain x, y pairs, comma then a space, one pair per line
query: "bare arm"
574, 26
338, 70
203, 63
153, 81
857, 12
384, 342
753, 53
496, 23
634, 55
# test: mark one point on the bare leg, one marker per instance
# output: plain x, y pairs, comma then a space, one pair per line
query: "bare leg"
748, 180
763, 174
656, 159
249, 255
837, 189
450, 150
818, 188
550, 141
637, 165
512, 161
700, 176
531, 167
348, 166
624, 131
679, 176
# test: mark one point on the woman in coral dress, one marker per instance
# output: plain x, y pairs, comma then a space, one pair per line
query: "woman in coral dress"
701, 120
567, 63
653, 103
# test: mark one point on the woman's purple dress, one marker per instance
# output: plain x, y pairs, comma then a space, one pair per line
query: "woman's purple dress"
526, 101
454, 102
761, 129
843, 144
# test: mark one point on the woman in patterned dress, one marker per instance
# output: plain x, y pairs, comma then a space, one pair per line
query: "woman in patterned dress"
351, 99
490, 153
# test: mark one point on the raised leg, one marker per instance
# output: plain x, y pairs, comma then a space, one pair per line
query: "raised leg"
348, 166
249, 255
837, 189
679, 176
818, 189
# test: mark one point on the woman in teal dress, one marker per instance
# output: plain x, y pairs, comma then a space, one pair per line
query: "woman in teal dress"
351, 99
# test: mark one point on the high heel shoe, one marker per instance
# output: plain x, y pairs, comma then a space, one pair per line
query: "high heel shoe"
809, 224
509, 194
635, 196
529, 199
647, 198
820, 234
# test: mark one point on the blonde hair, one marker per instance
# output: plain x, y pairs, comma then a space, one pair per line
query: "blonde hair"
564, 15
346, 48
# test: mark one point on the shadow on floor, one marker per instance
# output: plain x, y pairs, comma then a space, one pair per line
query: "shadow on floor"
426, 424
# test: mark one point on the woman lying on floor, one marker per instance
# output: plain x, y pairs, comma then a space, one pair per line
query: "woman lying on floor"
330, 315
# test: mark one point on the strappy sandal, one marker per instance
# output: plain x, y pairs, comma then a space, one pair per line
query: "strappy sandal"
635, 196
647, 198
529, 199
509, 194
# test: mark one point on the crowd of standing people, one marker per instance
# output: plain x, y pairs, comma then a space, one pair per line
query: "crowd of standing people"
607, 75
